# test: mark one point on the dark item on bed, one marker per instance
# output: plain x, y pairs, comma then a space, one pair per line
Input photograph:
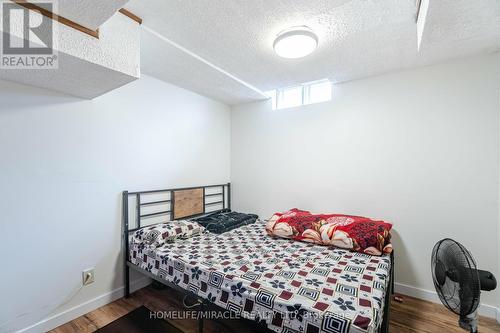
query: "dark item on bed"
139, 321
213, 206
225, 221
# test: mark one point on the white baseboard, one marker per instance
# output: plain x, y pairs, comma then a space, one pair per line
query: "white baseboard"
68, 315
431, 296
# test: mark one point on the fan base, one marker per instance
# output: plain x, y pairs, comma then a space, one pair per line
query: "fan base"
469, 322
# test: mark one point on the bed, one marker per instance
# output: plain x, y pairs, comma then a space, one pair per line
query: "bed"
287, 285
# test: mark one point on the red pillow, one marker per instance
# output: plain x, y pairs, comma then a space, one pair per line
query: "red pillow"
355, 233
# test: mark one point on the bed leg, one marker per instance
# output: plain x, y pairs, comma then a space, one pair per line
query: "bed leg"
127, 281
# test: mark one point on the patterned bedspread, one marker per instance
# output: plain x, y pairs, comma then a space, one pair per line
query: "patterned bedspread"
293, 286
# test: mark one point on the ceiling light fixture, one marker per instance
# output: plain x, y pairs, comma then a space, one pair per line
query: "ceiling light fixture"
295, 42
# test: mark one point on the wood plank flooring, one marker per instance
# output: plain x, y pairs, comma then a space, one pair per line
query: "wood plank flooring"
411, 316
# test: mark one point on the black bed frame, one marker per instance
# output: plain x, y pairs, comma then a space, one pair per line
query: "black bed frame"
224, 194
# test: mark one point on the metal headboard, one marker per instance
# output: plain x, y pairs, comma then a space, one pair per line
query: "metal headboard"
214, 198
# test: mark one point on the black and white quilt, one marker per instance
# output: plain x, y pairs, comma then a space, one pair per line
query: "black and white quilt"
292, 286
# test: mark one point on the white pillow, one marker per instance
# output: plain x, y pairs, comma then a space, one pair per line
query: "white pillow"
158, 234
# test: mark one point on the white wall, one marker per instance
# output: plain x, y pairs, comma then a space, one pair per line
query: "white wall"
498, 241
418, 148
63, 165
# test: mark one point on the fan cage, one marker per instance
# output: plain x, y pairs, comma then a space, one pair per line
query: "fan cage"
461, 291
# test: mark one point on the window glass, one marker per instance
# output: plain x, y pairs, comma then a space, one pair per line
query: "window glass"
290, 97
319, 92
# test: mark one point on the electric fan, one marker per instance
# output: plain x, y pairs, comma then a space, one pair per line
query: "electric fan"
458, 282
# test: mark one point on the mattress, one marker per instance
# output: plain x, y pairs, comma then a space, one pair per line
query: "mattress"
292, 286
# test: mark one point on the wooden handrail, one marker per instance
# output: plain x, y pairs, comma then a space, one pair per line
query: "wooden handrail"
131, 15
70, 23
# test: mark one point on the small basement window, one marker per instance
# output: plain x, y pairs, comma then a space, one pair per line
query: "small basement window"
304, 94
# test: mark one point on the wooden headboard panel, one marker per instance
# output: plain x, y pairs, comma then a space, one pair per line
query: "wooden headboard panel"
188, 202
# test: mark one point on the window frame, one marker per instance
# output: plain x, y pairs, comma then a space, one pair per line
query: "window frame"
276, 95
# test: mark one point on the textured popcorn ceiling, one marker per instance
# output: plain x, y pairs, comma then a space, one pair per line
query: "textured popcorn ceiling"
358, 38
170, 64
89, 13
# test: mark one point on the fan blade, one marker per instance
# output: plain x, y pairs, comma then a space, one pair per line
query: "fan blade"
440, 272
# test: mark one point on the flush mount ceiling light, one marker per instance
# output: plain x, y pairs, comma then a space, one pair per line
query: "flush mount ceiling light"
296, 42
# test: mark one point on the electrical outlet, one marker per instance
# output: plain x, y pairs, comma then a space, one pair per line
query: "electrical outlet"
88, 276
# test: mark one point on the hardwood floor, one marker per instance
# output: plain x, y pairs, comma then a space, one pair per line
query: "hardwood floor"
415, 315
411, 316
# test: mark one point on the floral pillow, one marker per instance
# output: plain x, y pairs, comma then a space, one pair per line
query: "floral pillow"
355, 233
158, 234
